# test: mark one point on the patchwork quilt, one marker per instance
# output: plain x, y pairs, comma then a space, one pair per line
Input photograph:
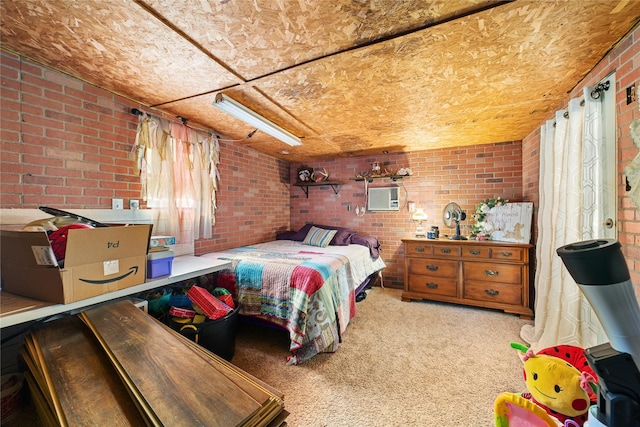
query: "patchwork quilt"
307, 290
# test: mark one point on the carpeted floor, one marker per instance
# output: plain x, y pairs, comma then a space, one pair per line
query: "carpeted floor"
400, 364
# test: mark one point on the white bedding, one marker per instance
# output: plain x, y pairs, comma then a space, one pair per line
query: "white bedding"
360, 266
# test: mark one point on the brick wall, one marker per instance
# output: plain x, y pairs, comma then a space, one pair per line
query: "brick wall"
252, 199
67, 144
466, 175
64, 143
626, 60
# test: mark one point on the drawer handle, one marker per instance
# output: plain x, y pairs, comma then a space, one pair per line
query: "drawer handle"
491, 292
420, 249
506, 254
431, 285
445, 250
491, 273
474, 252
432, 267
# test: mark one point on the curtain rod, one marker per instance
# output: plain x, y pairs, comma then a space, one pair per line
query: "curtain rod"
600, 87
595, 94
183, 121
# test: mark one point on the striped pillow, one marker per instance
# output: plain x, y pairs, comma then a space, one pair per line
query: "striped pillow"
319, 237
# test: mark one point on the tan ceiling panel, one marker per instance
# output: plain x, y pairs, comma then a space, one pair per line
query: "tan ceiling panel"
114, 44
258, 38
493, 66
348, 77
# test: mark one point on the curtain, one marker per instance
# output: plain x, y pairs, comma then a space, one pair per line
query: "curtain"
570, 210
179, 175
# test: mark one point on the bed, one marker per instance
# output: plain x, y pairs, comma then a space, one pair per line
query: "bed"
309, 290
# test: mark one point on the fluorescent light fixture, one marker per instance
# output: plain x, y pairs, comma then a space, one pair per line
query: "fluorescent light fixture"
241, 112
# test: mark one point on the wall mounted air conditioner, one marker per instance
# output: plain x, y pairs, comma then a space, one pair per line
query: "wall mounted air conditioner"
383, 199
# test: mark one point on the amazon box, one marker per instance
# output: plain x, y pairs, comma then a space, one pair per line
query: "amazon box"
97, 261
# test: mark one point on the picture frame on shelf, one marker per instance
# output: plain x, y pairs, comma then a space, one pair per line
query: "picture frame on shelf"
304, 174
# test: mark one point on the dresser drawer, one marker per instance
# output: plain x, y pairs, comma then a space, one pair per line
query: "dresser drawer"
433, 285
510, 254
418, 248
452, 251
491, 272
432, 267
479, 252
493, 292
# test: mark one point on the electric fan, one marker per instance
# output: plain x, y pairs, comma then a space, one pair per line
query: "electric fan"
453, 214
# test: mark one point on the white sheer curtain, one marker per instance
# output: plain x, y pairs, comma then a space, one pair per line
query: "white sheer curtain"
178, 170
570, 210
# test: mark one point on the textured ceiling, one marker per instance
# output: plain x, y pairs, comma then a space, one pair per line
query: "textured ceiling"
350, 77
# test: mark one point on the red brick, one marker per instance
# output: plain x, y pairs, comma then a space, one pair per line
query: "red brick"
73, 164
80, 93
63, 80
69, 102
27, 67
98, 192
45, 161
40, 82
82, 201
24, 189
43, 180
83, 130
33, 201
65, 136
63, 172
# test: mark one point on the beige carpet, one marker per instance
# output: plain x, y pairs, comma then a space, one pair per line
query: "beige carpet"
400, 364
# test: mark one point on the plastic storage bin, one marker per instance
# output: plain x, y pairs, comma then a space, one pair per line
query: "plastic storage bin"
159, 264
217, 336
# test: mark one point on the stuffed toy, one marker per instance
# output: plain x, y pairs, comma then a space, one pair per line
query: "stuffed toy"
560, 380
513, 410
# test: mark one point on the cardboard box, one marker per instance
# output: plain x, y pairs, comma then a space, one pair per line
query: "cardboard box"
97, 261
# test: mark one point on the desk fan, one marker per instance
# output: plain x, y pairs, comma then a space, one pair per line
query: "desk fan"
453, 214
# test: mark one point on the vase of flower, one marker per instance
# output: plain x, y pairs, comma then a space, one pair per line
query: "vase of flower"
482, 229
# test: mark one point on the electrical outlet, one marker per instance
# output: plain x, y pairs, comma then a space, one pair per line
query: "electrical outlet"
631, 94
117, 203
134, 204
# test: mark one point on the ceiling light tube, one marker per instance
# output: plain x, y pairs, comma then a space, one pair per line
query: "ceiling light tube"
241, 112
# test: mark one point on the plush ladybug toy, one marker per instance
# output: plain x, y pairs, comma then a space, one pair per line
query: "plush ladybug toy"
560, 380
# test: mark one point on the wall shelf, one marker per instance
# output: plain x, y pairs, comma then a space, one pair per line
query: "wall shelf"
391, 177
305, 185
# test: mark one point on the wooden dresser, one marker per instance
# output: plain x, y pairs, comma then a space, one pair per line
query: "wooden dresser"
483, 274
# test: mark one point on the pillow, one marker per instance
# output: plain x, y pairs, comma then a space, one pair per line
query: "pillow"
319, 237
302, 233
287, 235
369, 241
342, 237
